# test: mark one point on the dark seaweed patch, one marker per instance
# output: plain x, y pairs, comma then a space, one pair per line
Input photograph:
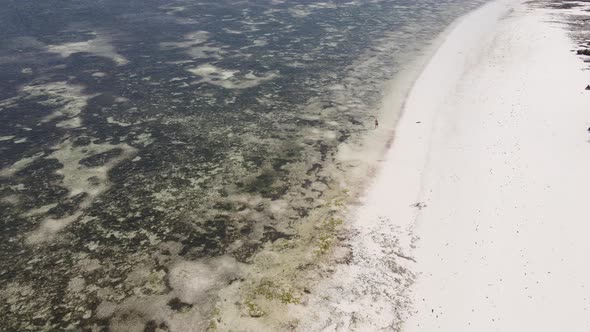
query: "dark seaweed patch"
177, 305
100, 158
271, 235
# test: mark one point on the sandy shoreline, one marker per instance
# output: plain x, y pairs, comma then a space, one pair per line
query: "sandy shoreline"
475, 221
503, 236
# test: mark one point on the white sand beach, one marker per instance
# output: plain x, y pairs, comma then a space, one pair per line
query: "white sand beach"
504, 237
483, 197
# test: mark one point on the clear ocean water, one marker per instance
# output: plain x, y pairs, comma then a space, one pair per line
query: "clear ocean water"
153, 153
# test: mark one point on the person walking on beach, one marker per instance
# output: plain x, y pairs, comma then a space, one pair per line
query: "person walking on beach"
376, 123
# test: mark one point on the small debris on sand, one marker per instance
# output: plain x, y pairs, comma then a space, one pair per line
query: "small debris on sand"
419, 205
